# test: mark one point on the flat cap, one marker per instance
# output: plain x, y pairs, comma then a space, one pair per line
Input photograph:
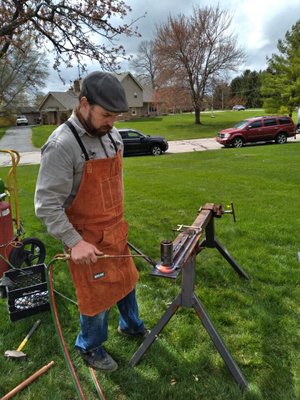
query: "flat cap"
105, 90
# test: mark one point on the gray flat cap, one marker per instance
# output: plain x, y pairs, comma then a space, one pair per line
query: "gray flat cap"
104, 89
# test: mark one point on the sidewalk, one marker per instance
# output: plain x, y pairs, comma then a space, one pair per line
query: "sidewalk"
176, 146
26, 158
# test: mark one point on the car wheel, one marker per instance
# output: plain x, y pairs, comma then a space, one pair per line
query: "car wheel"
156, 150
237, 142
281, 138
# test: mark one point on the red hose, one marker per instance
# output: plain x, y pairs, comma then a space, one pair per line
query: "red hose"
63, 343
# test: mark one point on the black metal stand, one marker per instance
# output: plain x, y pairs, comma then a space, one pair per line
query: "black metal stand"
188, 299
211, 242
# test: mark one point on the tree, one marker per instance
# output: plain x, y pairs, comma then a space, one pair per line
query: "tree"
194, 50
281, 81
145, 64
22, 73
38, 98
73, 29
221, 95
245, 89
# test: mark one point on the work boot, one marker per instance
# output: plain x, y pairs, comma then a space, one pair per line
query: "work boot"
101, 361
142, 333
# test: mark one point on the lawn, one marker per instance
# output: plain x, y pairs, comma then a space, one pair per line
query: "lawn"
2, 131
258, 319
173, 127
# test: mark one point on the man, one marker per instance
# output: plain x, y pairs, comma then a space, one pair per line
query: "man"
79, 196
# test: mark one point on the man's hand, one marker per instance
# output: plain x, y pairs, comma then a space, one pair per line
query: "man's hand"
85, 253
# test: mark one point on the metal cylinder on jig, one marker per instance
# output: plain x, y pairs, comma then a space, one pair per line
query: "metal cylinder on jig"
166, 252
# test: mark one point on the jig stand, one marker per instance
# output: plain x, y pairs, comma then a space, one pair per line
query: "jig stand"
180, 256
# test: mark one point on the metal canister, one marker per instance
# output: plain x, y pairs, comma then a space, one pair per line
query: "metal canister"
166, 252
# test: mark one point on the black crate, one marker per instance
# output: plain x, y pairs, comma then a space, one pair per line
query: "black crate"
27, 294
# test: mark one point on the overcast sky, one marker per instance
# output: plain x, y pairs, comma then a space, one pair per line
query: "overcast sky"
258, 25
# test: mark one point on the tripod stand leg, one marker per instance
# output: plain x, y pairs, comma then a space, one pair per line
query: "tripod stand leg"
171, 310
231, 261
212, 242
209, 327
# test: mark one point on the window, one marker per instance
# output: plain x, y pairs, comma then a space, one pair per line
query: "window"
124, 134
133, 135
270, 121
255, 124
284, 121
152, 108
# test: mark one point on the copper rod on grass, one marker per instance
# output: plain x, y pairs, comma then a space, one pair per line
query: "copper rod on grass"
27, 381
67, 256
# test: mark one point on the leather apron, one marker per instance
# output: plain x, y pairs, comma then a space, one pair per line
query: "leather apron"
97, 214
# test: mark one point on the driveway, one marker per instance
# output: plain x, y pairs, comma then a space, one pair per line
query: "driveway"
19, 138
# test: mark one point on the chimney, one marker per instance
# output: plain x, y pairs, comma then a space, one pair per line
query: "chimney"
77, 86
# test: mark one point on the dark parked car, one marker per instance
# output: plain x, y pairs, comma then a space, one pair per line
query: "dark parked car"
136, 142
258, 129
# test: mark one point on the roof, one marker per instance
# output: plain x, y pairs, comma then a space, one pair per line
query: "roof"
67, 99
148, 94
122, 75
27, 110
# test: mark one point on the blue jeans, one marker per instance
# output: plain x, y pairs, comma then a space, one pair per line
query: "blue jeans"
94, 329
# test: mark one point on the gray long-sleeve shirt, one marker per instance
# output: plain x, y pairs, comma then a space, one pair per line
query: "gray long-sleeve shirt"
60, 174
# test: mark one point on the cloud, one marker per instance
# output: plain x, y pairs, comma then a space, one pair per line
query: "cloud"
257, 24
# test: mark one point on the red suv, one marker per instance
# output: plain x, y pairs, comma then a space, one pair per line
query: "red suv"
258, 129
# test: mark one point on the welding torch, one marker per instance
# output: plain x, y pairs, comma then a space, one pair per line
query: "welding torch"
67, 256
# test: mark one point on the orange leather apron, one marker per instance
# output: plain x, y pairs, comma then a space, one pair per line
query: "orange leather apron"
97, 214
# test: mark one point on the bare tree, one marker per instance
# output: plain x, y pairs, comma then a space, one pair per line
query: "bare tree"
22, 73
72, 29
195, 50
145, 64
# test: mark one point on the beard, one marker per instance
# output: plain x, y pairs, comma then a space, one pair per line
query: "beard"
93, 131
90, 127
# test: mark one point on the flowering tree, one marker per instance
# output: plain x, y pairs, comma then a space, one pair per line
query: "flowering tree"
22, 74
72, 29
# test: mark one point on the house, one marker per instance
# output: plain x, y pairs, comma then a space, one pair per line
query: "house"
31, 113
56, 107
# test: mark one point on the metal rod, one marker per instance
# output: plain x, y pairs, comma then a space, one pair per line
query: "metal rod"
147, 258
68, 256
28, 381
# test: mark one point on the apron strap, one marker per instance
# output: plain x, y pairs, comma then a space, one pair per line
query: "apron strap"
77, 137
113, 142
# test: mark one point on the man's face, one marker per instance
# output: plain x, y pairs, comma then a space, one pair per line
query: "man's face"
98, 120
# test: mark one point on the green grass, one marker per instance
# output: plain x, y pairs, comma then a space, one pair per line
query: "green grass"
2, 131
258, 319
173, 127
182, 126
